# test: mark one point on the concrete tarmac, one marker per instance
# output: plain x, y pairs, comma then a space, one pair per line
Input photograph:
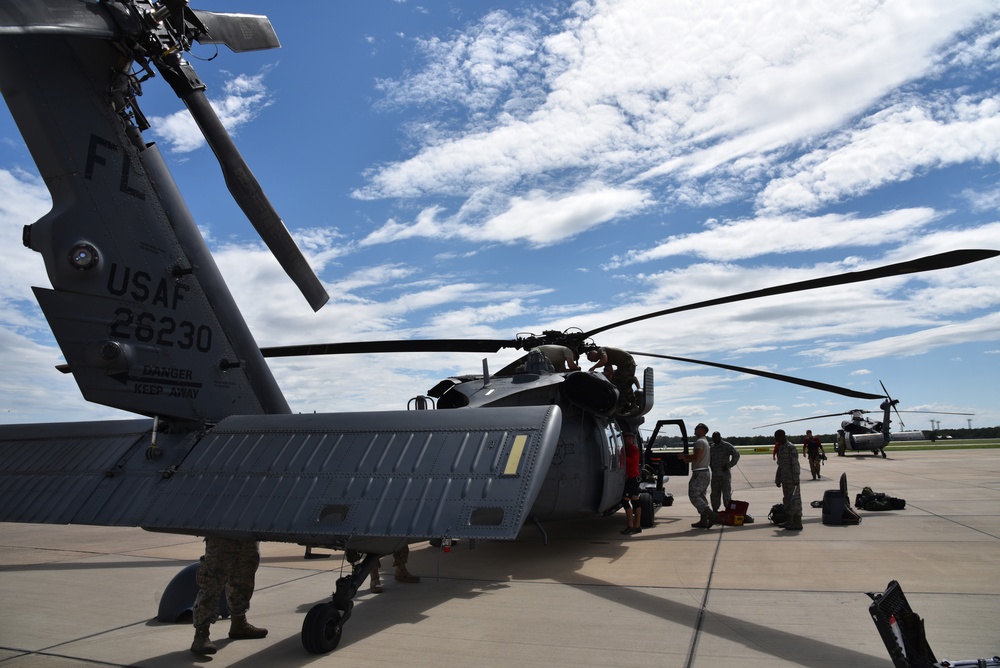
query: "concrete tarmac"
756, 595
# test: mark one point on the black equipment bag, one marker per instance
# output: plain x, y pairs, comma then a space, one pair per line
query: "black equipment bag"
871, 500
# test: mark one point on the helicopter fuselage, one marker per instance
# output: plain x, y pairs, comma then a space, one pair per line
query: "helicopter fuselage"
586, 475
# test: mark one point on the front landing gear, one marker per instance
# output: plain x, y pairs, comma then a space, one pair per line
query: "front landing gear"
324, 623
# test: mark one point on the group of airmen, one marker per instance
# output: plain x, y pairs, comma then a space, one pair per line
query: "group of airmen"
711, 464
617, 365
711, 467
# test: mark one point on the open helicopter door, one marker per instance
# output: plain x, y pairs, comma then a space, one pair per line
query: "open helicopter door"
664, 458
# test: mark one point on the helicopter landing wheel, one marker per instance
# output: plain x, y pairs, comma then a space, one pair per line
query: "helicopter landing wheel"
883, 454
322, 629
646, 510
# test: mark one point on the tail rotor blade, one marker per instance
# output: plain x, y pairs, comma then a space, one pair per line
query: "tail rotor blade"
243, 185
893, 404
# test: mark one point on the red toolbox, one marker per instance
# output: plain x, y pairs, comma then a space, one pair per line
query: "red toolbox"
735, 514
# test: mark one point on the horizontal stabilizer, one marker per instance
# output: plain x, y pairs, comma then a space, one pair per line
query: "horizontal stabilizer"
328, 479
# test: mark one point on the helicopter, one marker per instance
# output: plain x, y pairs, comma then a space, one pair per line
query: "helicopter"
862, 434
147, 324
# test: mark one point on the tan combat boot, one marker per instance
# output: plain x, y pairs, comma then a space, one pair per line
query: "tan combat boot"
403, 575
376, 583
241, 629
202, 645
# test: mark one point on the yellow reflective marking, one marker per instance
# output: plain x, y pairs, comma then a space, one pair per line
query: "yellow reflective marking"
516, 452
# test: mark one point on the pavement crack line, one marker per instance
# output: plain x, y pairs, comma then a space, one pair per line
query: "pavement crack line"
696, 634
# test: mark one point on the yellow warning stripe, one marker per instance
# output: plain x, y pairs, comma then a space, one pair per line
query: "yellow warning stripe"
516, 452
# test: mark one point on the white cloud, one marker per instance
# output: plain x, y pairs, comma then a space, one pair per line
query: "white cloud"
243, 99
647, 89
979, 329
892, 146
495, 63
536, 218
742, 239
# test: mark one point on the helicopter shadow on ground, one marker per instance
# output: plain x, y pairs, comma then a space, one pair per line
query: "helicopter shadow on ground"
471, 571
460, 574
808, 651
530, 559
372, 614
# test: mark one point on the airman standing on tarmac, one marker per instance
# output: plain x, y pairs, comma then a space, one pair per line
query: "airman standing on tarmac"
228, 563
787, 478
701, 477
724, 457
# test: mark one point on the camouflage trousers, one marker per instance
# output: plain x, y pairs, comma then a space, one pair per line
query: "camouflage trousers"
230, 564
814, 464
792, 498
722, 489
698, 488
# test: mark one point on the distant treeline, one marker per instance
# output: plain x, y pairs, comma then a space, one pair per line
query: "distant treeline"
768, 439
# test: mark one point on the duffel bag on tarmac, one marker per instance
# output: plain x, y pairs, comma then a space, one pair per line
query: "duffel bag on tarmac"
870, 500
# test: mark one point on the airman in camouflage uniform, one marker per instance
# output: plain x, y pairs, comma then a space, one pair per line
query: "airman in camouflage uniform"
231, 564
701, 476
787, 478
723, 457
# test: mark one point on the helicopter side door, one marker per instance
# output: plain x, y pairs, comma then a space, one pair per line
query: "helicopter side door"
613, 460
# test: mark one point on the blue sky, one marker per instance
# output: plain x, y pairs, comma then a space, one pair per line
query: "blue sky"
472, 169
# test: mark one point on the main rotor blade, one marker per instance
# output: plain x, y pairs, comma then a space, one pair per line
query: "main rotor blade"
398, 346
816, 385
929, 263
812, 417
936, 412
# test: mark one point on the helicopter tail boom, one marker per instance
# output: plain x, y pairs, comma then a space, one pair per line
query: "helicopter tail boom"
139, 308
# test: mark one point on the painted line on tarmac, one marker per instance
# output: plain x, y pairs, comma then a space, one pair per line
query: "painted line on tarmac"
696, 635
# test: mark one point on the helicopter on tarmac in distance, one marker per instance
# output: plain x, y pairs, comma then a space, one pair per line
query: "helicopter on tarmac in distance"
147, 324
862, 434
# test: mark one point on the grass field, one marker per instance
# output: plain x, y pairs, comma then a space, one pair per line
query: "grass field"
944, 444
